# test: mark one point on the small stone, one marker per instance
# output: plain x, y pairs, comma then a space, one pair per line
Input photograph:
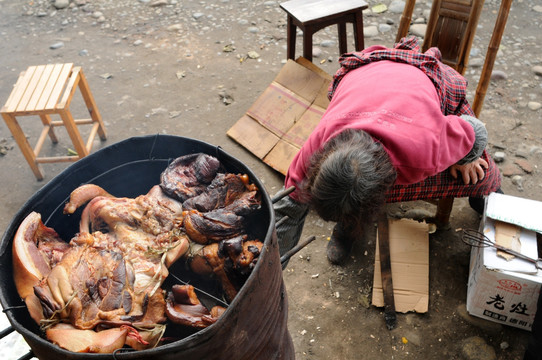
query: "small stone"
396, 6
175, 27
420, 20
316, 52
525, 165
509, 169
537, 8
253, 30
370, 31
499, 156
327, 43
83, 52
384, 28
61, 4
504, 345
197, 15
476, 63
518, 181
537, 70
498, 75
253, 54
534, 106
138, 42
56, 45
97, 14
418, 29
158, 3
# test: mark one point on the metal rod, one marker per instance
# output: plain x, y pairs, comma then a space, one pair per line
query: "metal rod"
6, 332
201, 291
281, 221
29, 355
296, 248
282, 194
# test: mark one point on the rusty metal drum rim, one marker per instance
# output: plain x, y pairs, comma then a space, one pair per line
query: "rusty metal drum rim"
192, 340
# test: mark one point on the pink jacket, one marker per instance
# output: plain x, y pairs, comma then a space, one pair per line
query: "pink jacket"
396, 104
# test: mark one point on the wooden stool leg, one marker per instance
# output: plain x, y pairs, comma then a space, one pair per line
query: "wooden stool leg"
25, 147
91, 105
71, 127
307, 43
358, 32
343, 46
444, 209
46, 120
290, 34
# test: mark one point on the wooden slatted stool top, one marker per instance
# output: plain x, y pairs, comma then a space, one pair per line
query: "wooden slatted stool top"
313, 15
44, 90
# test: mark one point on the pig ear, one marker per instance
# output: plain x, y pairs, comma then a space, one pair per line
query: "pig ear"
87, 341
29, 265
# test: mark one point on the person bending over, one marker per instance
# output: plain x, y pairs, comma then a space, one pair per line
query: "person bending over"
398, 128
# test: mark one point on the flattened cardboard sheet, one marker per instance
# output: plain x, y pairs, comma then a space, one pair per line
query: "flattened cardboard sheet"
409, 253
279, 122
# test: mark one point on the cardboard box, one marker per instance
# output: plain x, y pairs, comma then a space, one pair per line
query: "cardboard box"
409, 254
500, 290
281, 119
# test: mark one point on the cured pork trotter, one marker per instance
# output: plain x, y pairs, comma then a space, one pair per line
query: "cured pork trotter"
103, 289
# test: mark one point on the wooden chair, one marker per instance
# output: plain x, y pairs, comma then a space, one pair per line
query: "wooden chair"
45, 90
451, 28
313, 15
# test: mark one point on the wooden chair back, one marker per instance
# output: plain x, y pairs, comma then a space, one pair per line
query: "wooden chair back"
451, 27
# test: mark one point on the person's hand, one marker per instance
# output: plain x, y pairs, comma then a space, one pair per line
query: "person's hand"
470, 172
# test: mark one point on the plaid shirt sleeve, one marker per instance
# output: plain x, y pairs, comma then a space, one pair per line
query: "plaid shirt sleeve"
450, 85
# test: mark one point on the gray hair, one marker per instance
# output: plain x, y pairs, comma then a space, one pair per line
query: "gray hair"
348, 178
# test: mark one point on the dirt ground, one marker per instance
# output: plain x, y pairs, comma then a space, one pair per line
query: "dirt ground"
163, 67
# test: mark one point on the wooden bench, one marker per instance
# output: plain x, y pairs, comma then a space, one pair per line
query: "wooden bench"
45, 90
313, 15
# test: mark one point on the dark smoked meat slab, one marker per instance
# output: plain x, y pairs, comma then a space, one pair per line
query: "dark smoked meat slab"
189, 175
224, 189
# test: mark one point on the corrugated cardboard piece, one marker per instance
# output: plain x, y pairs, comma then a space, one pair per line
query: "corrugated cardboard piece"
409, 253
506, 290
282, 118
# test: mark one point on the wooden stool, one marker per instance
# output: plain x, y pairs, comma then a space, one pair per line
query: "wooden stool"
313, 15
44, 90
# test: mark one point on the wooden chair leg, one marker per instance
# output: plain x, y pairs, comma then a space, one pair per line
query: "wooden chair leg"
343, 46
359, 41
25, 147
444, 210
290, 35
406, 18
75, 136
46, 120
91, 105
307, 43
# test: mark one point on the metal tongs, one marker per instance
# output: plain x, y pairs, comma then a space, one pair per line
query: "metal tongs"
478, 239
